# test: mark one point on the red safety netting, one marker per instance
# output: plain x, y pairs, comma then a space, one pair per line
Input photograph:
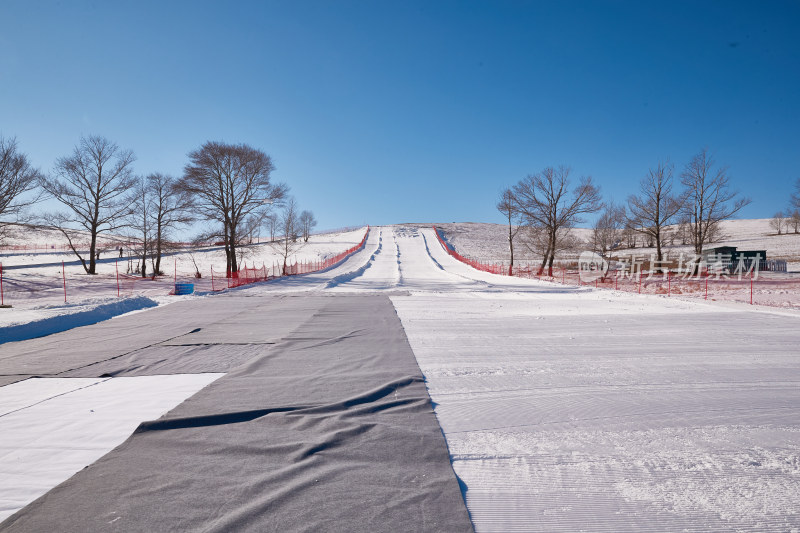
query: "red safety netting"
52, 285
247, 275
772, 289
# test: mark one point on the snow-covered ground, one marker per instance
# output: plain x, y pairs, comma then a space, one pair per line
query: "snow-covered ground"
570, 408
489, 242
34, 286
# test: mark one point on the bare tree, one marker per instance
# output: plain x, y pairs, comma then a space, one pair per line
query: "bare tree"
94, 184
250, 227
707, 199
655, 207
17, 177
607, 229
307, 224
683, 231
794, 201
629, 234
778, 222
547, 205
794, 221
507, 206
272, 224
170, 209
141, 217
288, 226
229, 183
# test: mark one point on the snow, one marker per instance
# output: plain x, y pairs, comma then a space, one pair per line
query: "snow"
490, 241
571, 408
29, 324
54, 427
33, 283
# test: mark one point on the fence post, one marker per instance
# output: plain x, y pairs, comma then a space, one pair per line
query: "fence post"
706, 287
640, 282
2, 301
116, 267
64, 277
669, 283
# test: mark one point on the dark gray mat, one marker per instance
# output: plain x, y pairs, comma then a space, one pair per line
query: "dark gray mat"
160, 359
219, 319
330, 430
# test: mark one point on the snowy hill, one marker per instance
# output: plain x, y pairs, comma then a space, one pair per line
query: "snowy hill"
489, 242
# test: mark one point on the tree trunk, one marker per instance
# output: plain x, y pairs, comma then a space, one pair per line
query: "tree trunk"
227, 241
658, 246
92, 247
544, 261
157, 265
510, 246
233, 251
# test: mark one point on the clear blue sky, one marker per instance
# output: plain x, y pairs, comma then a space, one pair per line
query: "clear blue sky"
385, 112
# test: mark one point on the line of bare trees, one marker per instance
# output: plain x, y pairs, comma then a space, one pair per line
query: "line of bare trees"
784, 222
229, 186
542, 210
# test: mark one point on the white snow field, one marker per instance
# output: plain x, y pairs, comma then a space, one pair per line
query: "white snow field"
34, 286
570, 409
576, 409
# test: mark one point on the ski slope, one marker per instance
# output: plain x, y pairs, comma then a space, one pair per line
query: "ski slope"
569, 409
574, 409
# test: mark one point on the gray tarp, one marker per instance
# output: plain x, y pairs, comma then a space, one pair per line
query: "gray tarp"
329, 429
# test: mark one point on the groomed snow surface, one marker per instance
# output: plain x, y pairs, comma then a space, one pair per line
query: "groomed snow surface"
569, 409
574, 409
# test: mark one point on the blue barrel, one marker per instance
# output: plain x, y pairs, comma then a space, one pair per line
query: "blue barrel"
184, 288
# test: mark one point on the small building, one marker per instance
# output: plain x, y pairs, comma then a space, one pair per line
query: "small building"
730, 253
729, 258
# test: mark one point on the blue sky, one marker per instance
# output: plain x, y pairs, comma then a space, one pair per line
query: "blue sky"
387, 112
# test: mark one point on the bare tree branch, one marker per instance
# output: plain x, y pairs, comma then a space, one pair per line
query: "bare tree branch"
656, 206
549, 207
307, 223
508, 207
228, 183
94, 184
17, 178
707, 200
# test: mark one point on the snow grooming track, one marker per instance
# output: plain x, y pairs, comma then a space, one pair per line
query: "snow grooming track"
569, 412
369, 266
399, 265
315, 281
